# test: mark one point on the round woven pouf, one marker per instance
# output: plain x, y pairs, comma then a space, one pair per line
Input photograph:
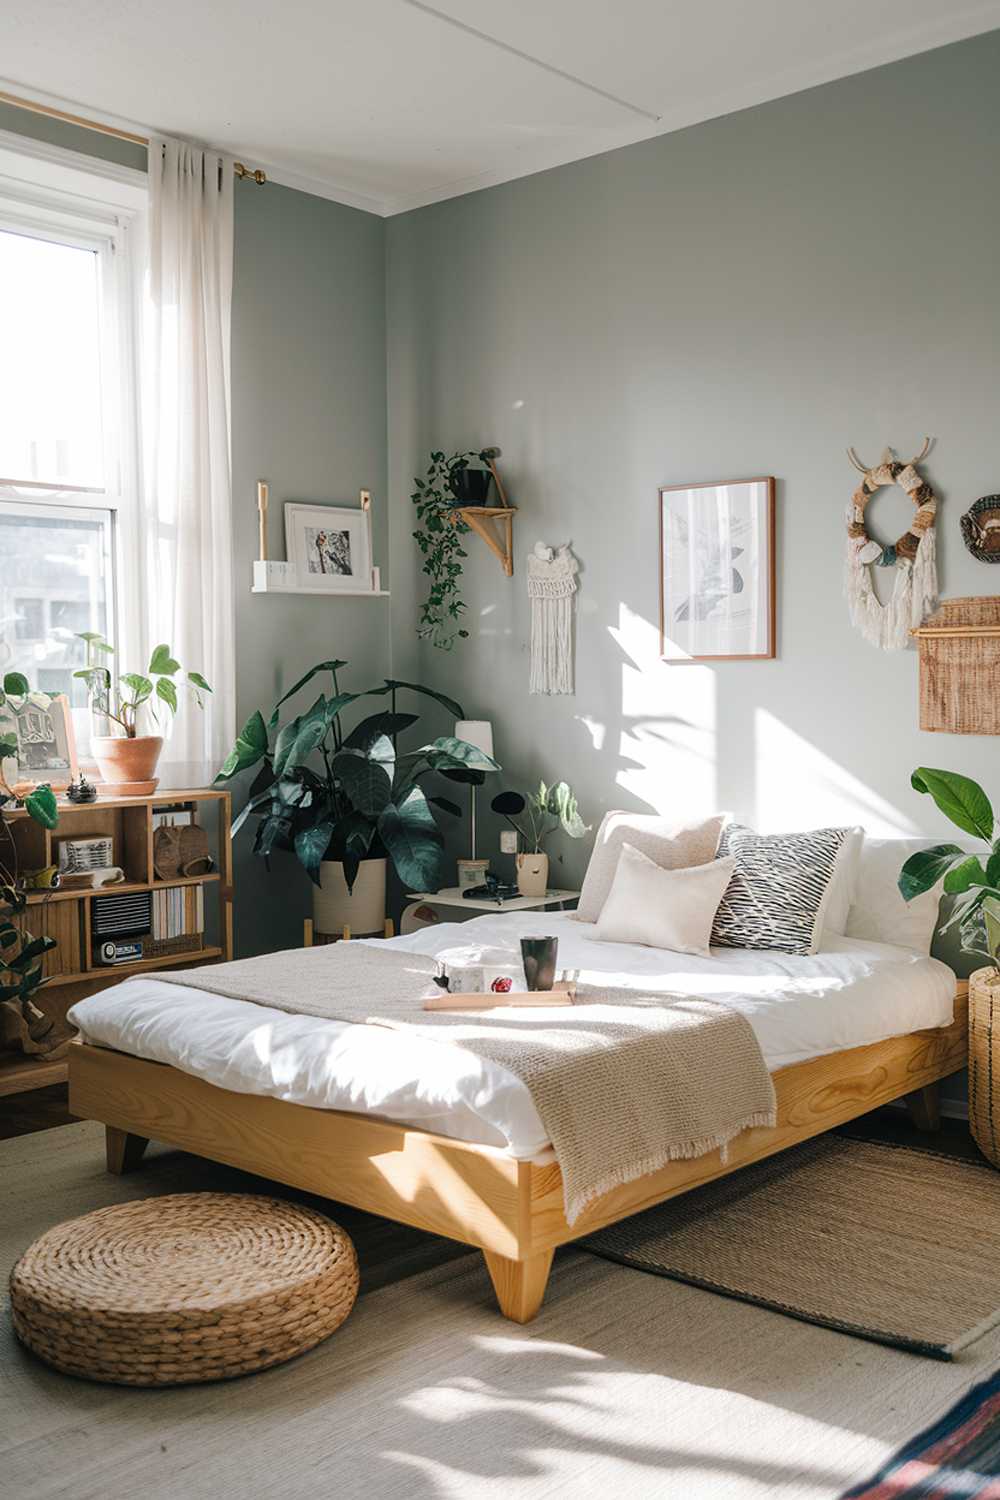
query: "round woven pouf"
194, 1286
984, 1061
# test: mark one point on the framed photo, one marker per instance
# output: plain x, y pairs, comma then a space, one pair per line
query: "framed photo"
717, 574
330, 547
46, 747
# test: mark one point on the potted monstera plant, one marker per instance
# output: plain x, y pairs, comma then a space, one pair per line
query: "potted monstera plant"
348, 801
535, 818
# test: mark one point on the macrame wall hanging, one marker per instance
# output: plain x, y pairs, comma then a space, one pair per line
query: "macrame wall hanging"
551, 585
914, 591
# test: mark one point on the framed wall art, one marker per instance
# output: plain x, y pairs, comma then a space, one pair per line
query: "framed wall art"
717, 571
330, 547
46, 746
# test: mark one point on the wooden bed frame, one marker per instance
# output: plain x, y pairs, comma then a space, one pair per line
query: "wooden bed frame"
512, 1211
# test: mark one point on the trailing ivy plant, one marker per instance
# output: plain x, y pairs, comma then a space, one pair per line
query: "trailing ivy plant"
121, 699
439, 538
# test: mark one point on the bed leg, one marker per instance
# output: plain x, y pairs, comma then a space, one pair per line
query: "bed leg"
124, 1150
519, 1284
924, 1106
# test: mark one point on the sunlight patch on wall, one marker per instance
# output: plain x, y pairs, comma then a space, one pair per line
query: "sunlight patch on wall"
667, 743
799, 787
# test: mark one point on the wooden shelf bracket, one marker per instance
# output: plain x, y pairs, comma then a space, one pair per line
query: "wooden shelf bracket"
499, 539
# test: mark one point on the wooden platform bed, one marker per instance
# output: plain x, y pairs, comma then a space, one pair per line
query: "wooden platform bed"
512, 1211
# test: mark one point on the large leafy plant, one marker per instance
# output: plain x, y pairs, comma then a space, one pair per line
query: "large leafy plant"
21, 957
120, 698
332, 793
538, 815
973, 879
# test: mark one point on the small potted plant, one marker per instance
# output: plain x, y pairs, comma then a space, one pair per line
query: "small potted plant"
448, 486
535, 818
127, 760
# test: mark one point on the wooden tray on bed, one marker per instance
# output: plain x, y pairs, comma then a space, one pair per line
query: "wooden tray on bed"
563, 992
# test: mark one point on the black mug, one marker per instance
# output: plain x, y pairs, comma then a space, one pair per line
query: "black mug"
539, 957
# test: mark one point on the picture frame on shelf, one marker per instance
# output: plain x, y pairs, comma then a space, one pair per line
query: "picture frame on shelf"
717, 571
330, 547
46, 743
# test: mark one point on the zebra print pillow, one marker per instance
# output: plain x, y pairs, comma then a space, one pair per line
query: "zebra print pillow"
779, 888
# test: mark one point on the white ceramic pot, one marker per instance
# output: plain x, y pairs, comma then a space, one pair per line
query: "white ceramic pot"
532, 874
362, 910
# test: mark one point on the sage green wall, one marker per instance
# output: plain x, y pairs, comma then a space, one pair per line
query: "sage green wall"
745, 297
308, 407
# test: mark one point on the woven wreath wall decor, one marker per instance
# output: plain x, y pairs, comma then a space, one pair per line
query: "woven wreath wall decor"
913, 555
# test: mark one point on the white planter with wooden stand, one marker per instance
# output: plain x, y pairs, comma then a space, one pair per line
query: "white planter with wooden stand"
532, 874
361, 910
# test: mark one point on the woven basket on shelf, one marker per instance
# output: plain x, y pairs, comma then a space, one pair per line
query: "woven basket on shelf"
189, 1287
984, 1061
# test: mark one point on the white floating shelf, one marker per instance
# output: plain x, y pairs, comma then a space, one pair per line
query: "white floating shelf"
322, 594
274, 577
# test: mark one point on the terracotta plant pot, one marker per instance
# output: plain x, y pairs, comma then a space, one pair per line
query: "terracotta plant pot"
362, 910
128, 763
532, 874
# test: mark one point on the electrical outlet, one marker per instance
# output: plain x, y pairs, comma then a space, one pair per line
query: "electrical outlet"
508, 841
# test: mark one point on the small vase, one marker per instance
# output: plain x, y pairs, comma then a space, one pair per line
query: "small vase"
532, 874
128, 767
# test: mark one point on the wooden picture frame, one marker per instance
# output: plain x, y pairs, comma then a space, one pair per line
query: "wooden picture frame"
718, 574
330, 546
46, 742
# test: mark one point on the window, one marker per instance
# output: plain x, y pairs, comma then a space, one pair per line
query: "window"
67, 426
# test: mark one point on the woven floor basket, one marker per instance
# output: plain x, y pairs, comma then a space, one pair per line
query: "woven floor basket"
190, 1287
984, 1061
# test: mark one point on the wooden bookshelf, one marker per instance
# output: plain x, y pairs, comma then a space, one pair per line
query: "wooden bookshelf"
71, 970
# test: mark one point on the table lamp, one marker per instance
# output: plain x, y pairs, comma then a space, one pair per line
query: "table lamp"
478, 732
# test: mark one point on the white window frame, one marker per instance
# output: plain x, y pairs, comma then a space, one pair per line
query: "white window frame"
47, 192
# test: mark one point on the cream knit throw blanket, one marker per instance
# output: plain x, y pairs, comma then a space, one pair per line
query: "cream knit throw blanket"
623, 1082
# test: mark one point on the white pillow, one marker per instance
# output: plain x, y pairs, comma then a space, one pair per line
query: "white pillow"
663, 908
670, 845
843, 888
879, 914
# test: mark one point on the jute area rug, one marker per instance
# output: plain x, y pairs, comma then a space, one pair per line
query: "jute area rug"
891, 1243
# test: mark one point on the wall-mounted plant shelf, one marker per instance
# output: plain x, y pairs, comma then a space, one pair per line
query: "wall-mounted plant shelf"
499, 539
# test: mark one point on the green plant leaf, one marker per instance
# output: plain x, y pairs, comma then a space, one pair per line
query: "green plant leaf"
367, 784
161, 663
199, 681
959, 798
375, 727
8, 745
561, 803
253, 805
413, 841
141, 686
312, 728
963, 876
455, 709
251, 745
323, 666
446, 806
311, 845
94, 638
32, 950
924, 869
166, 690
41, 805
450, 754
16, 685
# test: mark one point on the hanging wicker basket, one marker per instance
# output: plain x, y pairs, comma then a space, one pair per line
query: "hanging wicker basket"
984, 1061
960, 667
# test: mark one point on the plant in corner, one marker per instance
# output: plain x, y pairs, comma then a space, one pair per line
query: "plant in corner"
22, 1024
129, 759
347, 800
535, 818
962, 874
437, 497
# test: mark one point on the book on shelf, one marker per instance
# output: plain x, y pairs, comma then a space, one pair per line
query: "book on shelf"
178, 911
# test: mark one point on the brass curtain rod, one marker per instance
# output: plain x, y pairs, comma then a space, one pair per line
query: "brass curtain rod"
121, 135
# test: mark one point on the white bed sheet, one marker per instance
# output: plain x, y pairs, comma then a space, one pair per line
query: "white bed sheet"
850, 994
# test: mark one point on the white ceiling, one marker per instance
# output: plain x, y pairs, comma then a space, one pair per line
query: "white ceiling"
389, 104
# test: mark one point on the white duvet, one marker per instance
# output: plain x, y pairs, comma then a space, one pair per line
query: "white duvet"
852, 993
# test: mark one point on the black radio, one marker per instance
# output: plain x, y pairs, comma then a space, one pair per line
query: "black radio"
118, 924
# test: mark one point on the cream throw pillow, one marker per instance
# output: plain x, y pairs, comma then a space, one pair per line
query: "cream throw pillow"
663, 908
669, 845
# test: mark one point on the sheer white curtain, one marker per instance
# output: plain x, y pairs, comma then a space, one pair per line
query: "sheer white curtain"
186, 574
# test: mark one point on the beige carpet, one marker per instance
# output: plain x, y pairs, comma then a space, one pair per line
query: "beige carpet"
868, 1238
626, 1385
